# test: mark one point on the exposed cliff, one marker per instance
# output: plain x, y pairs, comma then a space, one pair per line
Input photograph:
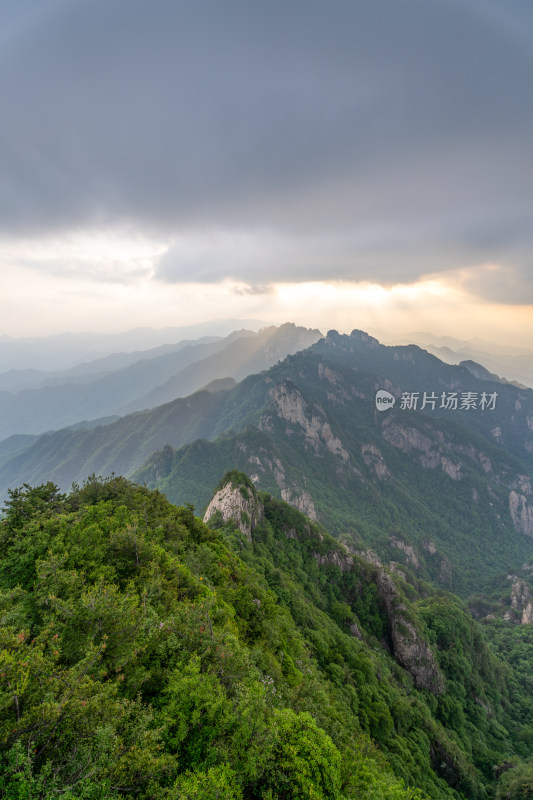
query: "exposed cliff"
236, 499
408, 645
292, 406
521, 513
521, 602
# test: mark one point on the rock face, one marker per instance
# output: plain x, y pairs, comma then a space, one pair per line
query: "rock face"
407, 439
431, 455
451, 469
343, 561
300, 500
373, 457
411, 651
239, 502
409, 648
521, 513
521, 601
409, 551
291, 406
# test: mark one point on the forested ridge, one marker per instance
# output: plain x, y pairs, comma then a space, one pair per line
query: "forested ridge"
145, 654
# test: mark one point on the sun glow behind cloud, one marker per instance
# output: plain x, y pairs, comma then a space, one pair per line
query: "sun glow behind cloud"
364, 305
108, 280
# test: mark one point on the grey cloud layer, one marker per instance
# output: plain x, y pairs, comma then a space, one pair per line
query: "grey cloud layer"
399, 130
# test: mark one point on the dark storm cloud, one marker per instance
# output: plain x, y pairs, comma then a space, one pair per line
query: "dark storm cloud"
395, 137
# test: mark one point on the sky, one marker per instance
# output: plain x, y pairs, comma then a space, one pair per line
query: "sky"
339, 164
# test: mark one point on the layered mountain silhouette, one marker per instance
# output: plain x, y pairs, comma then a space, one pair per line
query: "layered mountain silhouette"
118, 384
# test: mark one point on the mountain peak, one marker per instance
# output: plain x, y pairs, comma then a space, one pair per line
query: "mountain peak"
362, 336
236, 498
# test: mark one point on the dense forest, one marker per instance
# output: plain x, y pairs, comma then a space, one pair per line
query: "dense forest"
147, 654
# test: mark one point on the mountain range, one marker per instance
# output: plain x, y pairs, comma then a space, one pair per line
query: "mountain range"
62, 351
514, 364
445, 492
118, 384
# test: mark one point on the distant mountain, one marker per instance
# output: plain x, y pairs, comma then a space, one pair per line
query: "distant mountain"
15, 444
70, 455
242, 356
65, 350
513, 364
446, 493
92, 395
15, 380
84, 395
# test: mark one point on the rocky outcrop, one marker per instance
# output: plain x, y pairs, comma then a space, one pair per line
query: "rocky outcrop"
354, 630
521, 602
430, 546
521, 513
343, 561
237, 502
523, 484
409, 551
301, 500
409, 648
325, 373
411, 439
451, 469
373, 458
291, 406
290, 492
406, 439
445, 568
497, 433
485, 463
445, 572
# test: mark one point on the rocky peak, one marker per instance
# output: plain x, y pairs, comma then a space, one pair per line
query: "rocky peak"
361, 336
236, 499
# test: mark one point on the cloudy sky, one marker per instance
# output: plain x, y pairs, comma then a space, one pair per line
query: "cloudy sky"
338, 164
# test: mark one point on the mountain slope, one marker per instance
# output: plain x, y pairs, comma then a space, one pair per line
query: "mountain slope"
146, 653
70, 455
514, 363
446, 493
